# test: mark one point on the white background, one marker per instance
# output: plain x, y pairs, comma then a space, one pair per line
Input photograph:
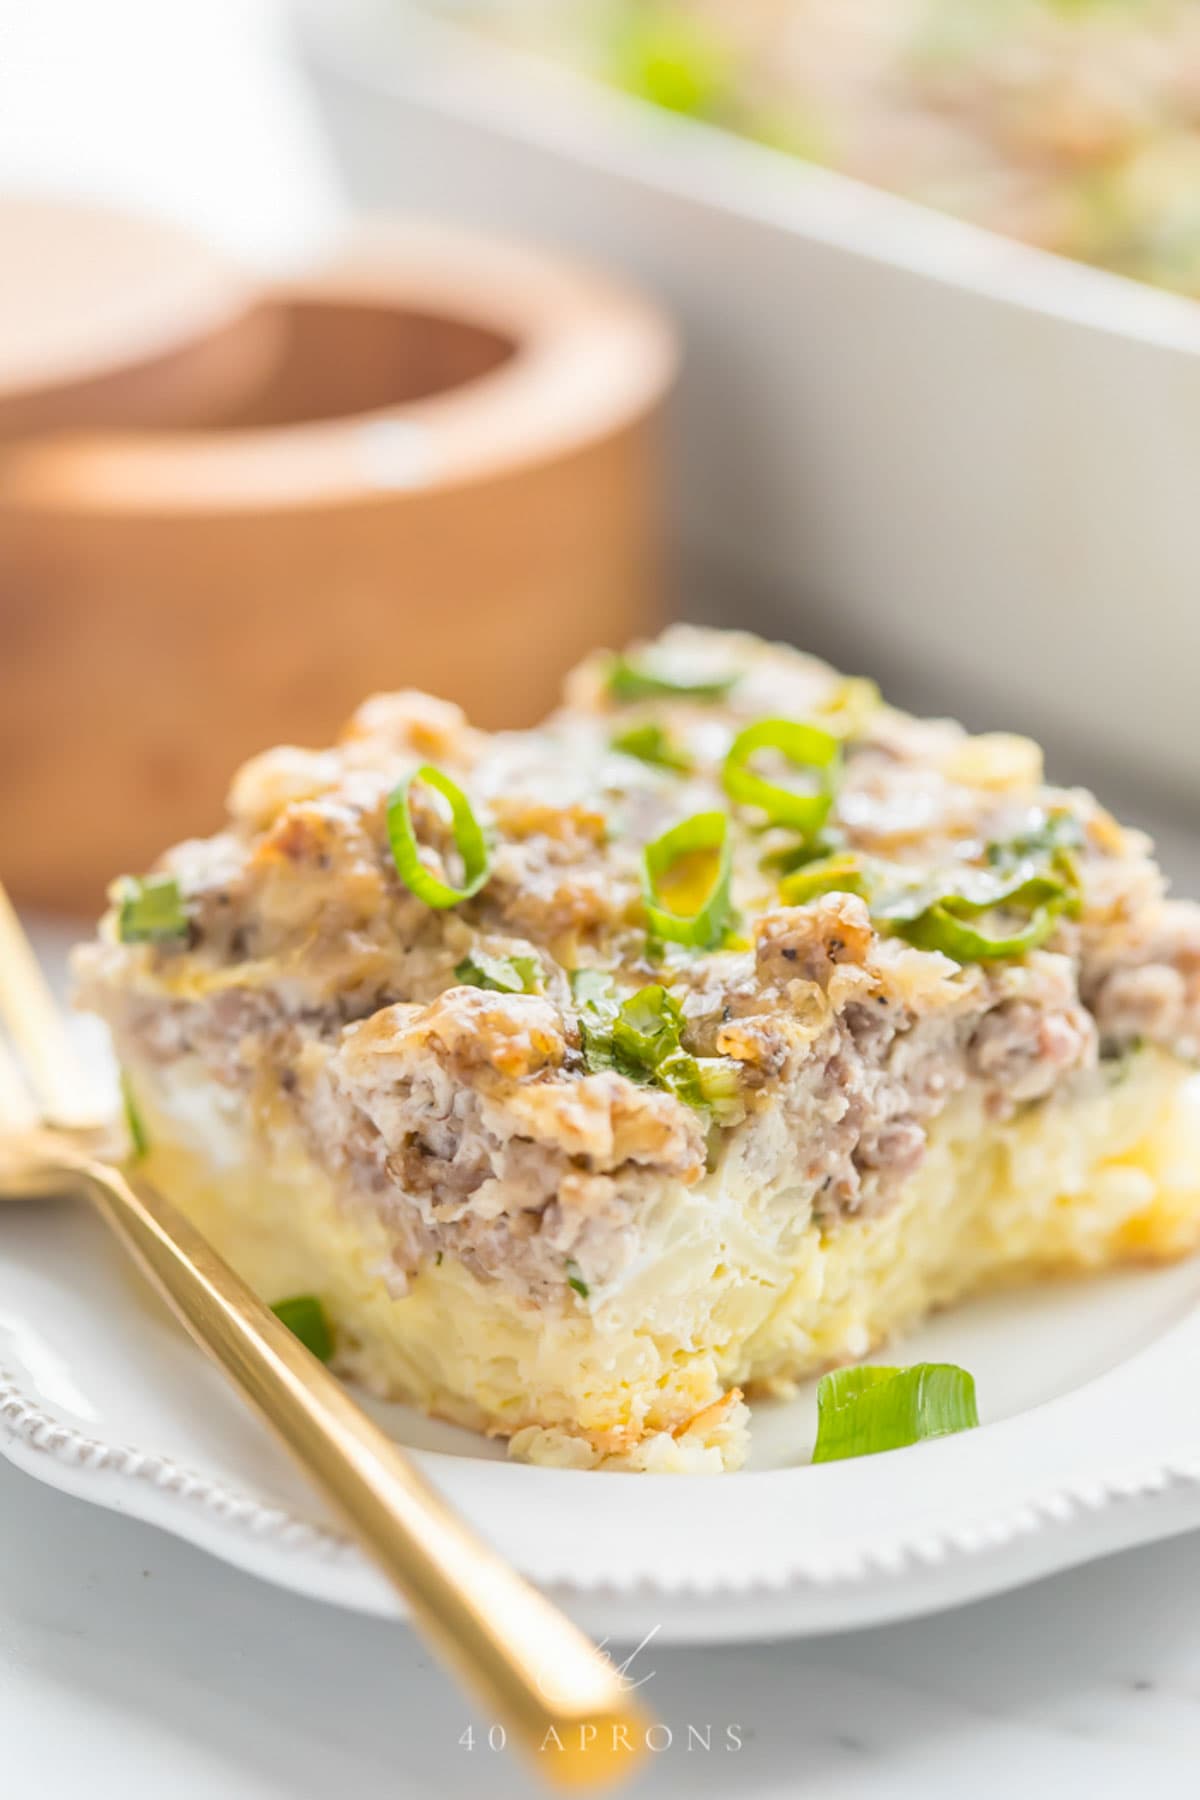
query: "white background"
131, 1665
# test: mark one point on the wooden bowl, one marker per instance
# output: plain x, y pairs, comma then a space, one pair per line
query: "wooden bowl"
446, 478
111, 320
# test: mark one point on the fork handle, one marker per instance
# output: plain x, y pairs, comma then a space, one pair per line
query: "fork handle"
527, 1665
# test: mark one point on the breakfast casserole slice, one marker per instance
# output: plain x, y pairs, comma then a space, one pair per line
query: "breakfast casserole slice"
697, 1041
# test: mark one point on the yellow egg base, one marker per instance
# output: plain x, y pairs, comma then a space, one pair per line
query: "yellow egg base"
733, 1287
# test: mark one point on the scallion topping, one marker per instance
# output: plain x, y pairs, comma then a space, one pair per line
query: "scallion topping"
134, 1125
503, 974
686, 876
629, 680
150, 910
1056, 834
863, 1411
842, 874
305, 1318
651, 744
805, 747
641, 1039
469, 840
575, 1279
947, 920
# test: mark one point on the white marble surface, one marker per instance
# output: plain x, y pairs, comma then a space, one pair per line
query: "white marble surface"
131, 1665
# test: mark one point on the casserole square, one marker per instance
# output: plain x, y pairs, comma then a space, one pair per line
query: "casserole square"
776, 1019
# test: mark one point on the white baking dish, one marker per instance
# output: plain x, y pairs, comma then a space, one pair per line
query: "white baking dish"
967, 465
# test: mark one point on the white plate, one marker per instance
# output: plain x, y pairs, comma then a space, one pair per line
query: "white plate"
1091, 1441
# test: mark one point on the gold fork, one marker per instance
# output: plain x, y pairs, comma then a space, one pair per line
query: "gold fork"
527, 1665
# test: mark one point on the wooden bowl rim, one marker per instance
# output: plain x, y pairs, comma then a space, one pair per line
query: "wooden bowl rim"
591, 358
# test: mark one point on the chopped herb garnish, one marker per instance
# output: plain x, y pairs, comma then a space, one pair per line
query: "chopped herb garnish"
469, 840
1057, 832
641, 1039
651, 744
646, 1029
1051, 845
799, 855
575, 1279
134, 1125
862, 1411
686, 875
672, 60
629, 680
805, 747
943, 911
305, 1318
503, 974
150, 910
842, 874
932, 918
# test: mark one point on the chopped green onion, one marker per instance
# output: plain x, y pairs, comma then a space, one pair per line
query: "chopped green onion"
503, 974
575, 1279
651, 744
593, 987
641, 1039
805, 747
150, 910
629, 680
863, 1411
646, 1029
134, 1124
842, 874
305, 1318
686, 876
711, 1083
942, 928
672, 60
1057, 832
468, 837
1051, 844
944, 921
800, 854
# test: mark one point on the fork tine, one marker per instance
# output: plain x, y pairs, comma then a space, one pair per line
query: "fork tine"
36, 1027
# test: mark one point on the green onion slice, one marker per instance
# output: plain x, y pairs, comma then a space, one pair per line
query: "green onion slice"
799, 854
503, 974
575, 1278
942, 928
948, 921
134, 1124
805, 747
641, 1039
686, 875
646, 1029
468, 837
1055, 833
305, 1317
629, 680
841, 874
150, 910
651, 744
1051, 844
671, 59
863, 1411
